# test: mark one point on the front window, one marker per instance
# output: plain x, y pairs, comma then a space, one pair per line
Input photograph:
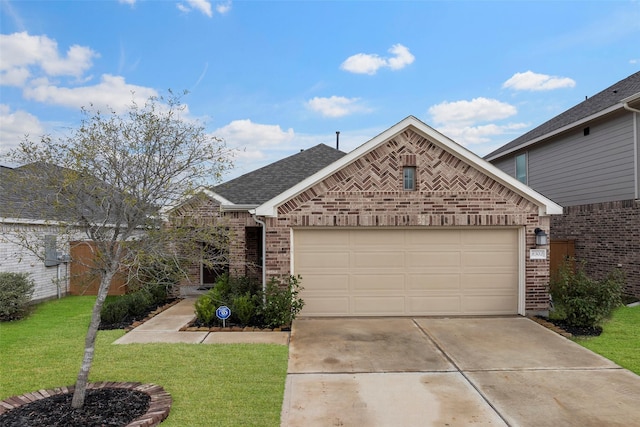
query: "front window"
521, 168
409, 178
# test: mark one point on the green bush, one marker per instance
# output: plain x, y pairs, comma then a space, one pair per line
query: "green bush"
583, 301
244, 308
282, 302
114, 311
206, 307
245, 298
16, 290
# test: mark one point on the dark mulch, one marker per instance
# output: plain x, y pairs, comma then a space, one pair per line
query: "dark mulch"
103, 407
576, 330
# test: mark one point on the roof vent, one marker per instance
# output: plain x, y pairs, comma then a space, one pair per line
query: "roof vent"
337, 140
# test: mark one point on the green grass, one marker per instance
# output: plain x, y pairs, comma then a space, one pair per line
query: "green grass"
211, 385
620, 339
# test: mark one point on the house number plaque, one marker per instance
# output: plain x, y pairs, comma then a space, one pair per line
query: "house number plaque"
537, 254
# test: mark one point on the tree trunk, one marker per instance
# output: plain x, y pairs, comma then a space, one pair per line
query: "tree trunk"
90, 340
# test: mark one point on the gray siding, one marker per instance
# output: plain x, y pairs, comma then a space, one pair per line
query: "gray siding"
507, 165
575, 169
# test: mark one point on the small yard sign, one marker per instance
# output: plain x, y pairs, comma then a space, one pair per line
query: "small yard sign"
223, 312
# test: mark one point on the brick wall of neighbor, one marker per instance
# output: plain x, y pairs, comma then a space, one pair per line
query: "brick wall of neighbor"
606, 235
14, 258
368, 193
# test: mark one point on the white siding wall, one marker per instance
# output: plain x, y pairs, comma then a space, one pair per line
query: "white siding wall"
14, 258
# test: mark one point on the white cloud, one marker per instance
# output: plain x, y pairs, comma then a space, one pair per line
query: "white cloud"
468, 112
130, 2
15, 125
245, 133
21, 51
335, 106
481, 134
203, 6
364, 63
470, 122
223, 8
112, 92
537, 82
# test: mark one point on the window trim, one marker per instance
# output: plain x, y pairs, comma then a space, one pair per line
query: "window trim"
525, 174
406, 179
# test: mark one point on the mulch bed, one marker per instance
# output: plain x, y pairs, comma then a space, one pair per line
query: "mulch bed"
567, 330
106, 405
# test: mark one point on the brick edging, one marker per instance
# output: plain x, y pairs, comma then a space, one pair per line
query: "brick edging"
158, 411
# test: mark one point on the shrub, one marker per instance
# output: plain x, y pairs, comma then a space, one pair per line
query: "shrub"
244, 308
114, 311
282, 302
244, 297
16, 290
206, 309
583, 301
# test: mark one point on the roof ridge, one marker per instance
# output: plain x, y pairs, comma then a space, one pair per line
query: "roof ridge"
602, 100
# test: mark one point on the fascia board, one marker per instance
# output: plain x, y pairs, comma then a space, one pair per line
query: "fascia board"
558, 131
212, 195
547, 206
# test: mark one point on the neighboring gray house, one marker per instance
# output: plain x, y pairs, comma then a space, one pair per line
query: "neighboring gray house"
587, 159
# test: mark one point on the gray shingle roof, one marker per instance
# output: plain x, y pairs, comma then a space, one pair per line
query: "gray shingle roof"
267, 182
599, 102
19, 199
255, 188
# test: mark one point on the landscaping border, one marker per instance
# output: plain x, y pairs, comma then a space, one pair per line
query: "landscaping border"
158, 411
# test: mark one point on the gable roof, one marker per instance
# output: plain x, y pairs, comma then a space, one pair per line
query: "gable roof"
611, 99
255, 188
20, 200
546, 206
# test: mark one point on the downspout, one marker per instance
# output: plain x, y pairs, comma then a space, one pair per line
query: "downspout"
264, 258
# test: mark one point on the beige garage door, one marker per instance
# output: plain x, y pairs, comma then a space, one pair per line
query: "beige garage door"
407, 272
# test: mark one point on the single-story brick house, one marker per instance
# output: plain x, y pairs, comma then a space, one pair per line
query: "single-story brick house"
409, 223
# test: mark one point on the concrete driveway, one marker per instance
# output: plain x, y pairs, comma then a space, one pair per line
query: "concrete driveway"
450, 372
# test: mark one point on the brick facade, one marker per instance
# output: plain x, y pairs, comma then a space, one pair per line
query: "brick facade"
450, 193
369, 193
607, 235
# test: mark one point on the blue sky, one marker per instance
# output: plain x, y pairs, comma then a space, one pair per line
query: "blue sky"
272, 78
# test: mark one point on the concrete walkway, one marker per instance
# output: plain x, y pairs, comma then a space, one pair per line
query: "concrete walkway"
450, 372
165, 328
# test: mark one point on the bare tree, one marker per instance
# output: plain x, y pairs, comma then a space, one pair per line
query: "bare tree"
112, 175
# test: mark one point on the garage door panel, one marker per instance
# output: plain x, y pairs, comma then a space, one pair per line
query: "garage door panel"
487, 258
378, 306
377, 282
447, 237
489, 281
433, 282
399, 272
378, 260
327, 306
322, 260
433, 259
434, 305
390, 237
495, 304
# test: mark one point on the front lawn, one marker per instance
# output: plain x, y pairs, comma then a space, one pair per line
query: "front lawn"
620, 339
211, 385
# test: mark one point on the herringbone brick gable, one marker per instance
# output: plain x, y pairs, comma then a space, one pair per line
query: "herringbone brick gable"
378, 174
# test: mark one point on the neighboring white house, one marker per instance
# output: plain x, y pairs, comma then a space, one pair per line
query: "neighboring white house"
26, 222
